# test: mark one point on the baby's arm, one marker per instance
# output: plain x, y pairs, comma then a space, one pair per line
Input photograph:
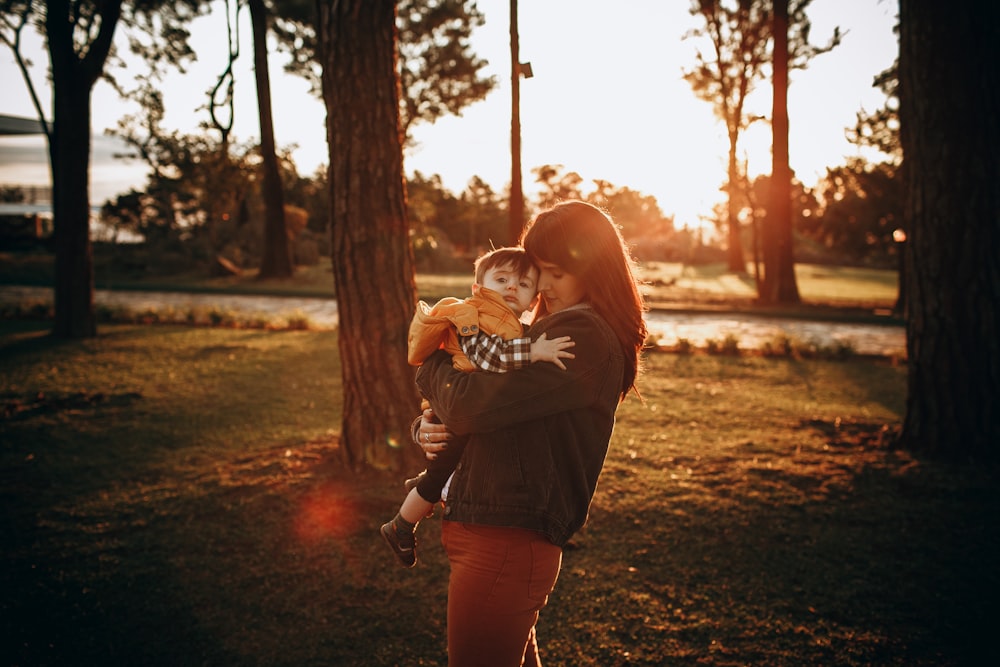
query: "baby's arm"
490, 352
553, 351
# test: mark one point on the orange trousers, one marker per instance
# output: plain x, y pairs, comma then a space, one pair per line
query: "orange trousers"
500, 579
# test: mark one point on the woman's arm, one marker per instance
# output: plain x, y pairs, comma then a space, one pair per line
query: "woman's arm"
479, 402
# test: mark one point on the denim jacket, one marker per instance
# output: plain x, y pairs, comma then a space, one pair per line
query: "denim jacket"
538, 436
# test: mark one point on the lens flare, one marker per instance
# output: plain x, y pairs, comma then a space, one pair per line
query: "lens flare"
325, 513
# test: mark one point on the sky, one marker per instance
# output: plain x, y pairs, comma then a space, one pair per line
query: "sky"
607, 101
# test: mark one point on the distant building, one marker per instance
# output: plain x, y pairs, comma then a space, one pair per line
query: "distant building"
12, 125
25, 210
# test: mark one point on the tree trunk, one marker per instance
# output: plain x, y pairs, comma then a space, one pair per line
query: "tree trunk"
899, 308
734, 253
276, 261
516, 205
69, 154
372, 259
779, 285
73, 80
756, 252
949, 62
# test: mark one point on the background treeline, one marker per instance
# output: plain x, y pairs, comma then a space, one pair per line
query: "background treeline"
211, 203
200, 206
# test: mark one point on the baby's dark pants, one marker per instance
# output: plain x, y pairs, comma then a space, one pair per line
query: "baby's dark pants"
438, 471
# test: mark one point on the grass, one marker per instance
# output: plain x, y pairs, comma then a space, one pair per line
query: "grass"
172, 496
820, 286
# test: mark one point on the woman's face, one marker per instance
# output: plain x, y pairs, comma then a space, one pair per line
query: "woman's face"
559, 289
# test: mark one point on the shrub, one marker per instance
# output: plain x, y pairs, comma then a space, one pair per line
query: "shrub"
683, 346
779, 346
730, 345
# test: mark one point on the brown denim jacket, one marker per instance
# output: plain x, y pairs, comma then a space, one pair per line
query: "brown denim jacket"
537, 437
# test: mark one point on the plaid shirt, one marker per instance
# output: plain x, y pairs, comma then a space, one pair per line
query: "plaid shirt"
494, 354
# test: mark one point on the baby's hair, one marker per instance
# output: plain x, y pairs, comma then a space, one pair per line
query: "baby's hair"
515, 258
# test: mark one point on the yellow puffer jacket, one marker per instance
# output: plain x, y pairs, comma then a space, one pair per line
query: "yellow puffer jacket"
439, 326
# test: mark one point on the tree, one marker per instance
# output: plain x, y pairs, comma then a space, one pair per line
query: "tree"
879, 129
862, 213
200, 200
276, 261
181, 170
486, 215
556, 186
805, 211
372, 260
778, 285
447, 231
949, 92
792, 50
80, 37
739, 35
637, 214
439, 73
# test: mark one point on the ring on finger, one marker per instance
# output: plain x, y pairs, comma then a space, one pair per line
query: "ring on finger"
427, 438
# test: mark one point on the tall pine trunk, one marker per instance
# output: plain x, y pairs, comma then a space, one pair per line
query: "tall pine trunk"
515, 209
69, 156
73, 78
734, 253
276, 261
372, 259
949, 93
779, 285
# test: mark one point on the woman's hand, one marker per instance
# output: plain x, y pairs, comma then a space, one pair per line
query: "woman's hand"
432, 436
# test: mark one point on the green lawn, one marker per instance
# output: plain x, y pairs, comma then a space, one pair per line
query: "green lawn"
173, 496
842, 286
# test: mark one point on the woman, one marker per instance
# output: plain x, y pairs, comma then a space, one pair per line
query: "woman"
537, 438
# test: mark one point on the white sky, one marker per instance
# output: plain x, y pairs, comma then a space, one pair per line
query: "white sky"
607, 101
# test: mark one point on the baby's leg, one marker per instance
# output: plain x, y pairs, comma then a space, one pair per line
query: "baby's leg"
414, 507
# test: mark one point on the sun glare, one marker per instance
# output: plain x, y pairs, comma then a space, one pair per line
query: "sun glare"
325, 513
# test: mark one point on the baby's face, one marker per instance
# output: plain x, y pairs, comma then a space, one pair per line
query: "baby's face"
517, 291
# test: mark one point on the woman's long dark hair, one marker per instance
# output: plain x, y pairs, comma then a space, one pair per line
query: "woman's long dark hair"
583, 241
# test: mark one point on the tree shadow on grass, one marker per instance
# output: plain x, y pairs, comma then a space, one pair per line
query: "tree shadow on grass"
848, 554
269, 557
864, 556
